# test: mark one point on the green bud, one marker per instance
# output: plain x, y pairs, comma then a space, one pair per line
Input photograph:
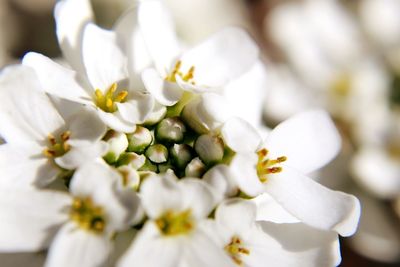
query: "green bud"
157, 153
209, 148
192, 117
171, 130
118, 143
181, 155
129, 177
164, 167
195, 168
132, 159
148, 166
139, 140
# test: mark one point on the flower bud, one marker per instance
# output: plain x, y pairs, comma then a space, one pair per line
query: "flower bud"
139, 140
148, 166
181, 155
129, 177
157, 153
117, 144
171, 130
195, 168
164, 167
132, 159
209, 148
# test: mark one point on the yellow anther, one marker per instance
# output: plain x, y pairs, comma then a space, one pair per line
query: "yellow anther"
121, 96
99, 94
176, 71
112, 88
189, 74
57, 146
65, 135
87, 215
267, 166
172, 223
235, 249
107, 101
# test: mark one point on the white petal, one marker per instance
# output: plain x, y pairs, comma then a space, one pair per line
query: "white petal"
23, 166
85, 127
221, 181
236, 214
247, 93
269, 210
27, 113
29, 218
313, 203
197, 197
80, 155
71, 17
56, 79
160, 194
221, 58
158, 87
98, 181
308, 140
240, 136
136, 109
293, 244
132, 43
104, 61
149, 249
377, 172
243, 169
377, 226
159, 34
116, 122
202, 251
75, 247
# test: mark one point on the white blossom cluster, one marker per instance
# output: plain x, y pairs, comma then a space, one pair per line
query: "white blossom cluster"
133, 137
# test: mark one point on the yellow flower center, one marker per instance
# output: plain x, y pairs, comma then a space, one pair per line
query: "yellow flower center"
188, 77
87, 215
172, 223
341, 86
107, 101
57, 146
267, 166
236, 249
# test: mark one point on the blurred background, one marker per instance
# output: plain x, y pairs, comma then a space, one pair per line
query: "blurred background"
341, 55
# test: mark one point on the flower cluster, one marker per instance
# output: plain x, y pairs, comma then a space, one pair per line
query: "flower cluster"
133, 136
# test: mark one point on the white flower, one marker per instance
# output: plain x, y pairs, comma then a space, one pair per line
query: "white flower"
171, 236
297, 147
317, 37
86, 219
39, 142
104, 75
255, 243
208, 66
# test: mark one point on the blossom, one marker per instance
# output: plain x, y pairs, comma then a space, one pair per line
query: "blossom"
208, 66
258, 243
103, 75
293, 149
40, 143
171, 235
83, 221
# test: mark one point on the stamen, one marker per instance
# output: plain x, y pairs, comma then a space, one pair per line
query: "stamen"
235, 249
176, 71
107, 101
172, 223
87, 215
266, 166
57, 146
